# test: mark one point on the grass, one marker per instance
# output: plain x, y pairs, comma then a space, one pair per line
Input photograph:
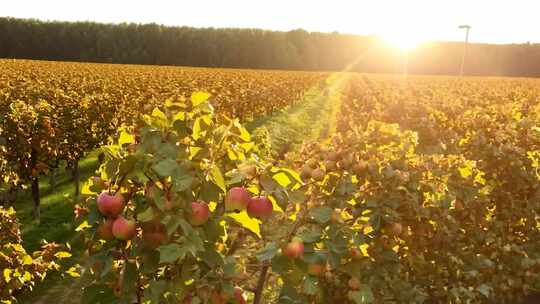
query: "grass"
55, 225
309, 119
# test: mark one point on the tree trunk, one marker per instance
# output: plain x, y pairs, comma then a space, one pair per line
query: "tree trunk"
260, 285
76, 177
35, 197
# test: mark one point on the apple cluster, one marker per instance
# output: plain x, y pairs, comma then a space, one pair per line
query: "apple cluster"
112, 205
239, 199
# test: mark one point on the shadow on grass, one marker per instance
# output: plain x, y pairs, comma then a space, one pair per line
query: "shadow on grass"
56, 225
56, 207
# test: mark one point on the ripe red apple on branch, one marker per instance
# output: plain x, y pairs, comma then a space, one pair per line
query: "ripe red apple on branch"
110, 205
354, 283
104, 230
200, 212
316, 269
260, 207
237, 199
123, 229
154, 234
294, 249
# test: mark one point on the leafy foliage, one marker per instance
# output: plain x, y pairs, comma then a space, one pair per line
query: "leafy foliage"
21, 270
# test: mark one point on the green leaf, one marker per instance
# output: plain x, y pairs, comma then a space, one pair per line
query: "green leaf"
155, 290
146, 215
268, 252
199, 97
297, 196
171, 223
150, 262
310, 285
484, 289
321, 214
170, 253
212, 258
209, 192
129, 278
362, 296
181, 179
311, 236
165, 168
229, 268
98, 294
217, 178
246, 221
280, 263
268, 183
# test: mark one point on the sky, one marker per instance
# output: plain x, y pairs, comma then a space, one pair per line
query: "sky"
400, 21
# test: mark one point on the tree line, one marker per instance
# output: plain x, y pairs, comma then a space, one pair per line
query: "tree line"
253, 48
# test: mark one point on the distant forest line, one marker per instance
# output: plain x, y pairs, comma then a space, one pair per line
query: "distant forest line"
253, 48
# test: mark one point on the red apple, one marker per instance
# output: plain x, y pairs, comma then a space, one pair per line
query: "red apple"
317, 174
217, 297
110, 205
237, 199
354, 283
123, 229
239, 295
330, 165
104, 230
294, 249
394, 229
355, 253
360, 168
331, 156
260, 207
316, 269
154, 234
199, 213
306, 172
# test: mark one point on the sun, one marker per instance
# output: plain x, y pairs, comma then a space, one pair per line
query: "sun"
402, 41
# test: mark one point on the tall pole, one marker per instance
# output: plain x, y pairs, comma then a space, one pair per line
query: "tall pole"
467, 28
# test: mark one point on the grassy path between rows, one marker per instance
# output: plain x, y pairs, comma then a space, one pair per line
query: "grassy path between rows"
310, 119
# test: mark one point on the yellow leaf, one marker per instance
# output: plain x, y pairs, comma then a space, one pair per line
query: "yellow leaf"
85, 190
217, 177
27, 276
247, 222
157, 113
125, 138
199, 97
62, 255
275, 206
368, 230
73, 272
364, 248
18, 247
179, 116
282, 179
7, 275
27, 260
84, 225
465, 171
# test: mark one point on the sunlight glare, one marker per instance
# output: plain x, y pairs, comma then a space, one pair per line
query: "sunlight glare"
402, 41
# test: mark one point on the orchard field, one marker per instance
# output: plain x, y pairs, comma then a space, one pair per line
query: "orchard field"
250, 186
